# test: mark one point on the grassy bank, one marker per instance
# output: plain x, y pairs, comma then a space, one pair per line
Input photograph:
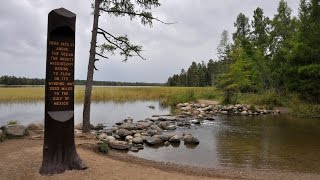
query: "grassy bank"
167, 95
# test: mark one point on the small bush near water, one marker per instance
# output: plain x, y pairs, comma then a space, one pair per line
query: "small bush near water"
103, 147
302, 109
269, 99
12, 122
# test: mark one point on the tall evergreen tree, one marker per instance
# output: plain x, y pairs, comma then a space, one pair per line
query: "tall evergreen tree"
192, 74
283, 29
304, 70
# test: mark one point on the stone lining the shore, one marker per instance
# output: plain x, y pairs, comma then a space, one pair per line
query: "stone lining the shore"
206, 111
155, 131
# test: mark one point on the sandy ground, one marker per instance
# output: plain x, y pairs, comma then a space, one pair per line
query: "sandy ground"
21, 159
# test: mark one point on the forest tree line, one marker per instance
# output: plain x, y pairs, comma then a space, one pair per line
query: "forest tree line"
280, 54
12, 80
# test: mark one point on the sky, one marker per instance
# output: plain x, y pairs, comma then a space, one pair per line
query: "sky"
168, 48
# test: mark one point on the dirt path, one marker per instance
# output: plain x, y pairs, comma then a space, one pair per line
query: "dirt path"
21, 159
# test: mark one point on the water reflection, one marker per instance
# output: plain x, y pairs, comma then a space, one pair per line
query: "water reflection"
268, 142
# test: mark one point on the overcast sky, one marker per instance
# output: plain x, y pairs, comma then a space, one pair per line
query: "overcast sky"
168, 48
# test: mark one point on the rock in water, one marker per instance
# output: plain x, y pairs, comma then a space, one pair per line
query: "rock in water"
123, 133
189, 139
167, 143
153, 140
134, 149
129, 138
99, 126
244, 113
128, 126
15, 130
137, 140
108, 131
171, 127
224, 112
128, 120
175, 139
139, 146
156, 127
164, 137
144, 125
119, 145
152, 132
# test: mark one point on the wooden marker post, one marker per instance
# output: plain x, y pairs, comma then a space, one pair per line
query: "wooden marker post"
59, 151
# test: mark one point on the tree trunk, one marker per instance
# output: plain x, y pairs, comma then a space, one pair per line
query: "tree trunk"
87, 96
59, 150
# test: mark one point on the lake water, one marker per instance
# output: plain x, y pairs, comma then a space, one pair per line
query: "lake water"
102, 112
261, 143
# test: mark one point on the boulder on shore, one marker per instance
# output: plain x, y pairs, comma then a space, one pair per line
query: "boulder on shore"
99, 126
15, 130
119, 145
79, 126
35, 126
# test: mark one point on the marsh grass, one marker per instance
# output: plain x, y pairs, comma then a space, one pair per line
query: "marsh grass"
166, 95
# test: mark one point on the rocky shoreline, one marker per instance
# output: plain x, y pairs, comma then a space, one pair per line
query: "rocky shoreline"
205, 111
158, 130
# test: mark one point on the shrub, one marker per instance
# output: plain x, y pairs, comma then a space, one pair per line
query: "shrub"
302, 109
268, 99
12, 122
103, 147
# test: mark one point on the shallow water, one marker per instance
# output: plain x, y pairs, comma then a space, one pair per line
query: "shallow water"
280, 142
261, 143
102, 112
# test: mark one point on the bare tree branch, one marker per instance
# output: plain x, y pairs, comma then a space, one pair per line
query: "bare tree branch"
101, 56
94, 66
103, 32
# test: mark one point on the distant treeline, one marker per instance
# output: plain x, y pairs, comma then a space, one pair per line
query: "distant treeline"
12, 80
198, 75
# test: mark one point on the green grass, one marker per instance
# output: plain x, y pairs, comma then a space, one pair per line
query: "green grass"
302, 109
21, 94
167, 95
268, 99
